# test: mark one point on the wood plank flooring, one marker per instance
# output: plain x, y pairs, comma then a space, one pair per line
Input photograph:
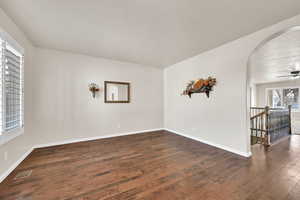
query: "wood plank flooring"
157, 165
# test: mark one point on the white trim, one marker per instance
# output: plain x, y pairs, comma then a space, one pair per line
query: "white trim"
12, 45
244, 154
11, 41
15, 165
10, 135
94, 138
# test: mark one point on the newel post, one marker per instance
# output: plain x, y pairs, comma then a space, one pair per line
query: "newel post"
290, 119
267, 136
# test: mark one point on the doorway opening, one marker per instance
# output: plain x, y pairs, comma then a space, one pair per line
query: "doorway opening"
274, 80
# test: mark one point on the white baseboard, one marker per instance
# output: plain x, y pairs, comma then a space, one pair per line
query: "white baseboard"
244, 154
93, 138
15, 165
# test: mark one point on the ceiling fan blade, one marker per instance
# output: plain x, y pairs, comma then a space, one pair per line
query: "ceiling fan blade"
285, 71
284, 76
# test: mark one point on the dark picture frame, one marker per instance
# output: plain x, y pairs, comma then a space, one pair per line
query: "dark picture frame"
117, 83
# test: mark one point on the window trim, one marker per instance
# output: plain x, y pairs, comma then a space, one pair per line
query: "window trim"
10, 135
7, 136
282, 88
11, 41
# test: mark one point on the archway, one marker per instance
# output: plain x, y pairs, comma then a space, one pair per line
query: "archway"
274, 60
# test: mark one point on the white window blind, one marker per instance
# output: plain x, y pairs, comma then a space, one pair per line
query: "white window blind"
11, 94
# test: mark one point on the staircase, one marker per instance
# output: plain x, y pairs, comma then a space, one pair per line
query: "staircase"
269, 125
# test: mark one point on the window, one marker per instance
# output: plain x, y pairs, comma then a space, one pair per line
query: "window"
11, 88
283, 97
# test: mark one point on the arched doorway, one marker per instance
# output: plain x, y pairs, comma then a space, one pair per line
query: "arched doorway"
274, 84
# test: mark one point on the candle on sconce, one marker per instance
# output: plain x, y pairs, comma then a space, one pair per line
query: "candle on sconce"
93, 87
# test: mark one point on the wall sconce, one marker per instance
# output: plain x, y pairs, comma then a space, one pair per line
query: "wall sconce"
93, 87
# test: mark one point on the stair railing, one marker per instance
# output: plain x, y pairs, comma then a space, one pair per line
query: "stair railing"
269, 124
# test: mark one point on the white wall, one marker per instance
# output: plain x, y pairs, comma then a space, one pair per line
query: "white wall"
253, 95
222, 119
64, 108
17, 147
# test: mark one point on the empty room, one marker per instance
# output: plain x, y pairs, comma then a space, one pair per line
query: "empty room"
149, 100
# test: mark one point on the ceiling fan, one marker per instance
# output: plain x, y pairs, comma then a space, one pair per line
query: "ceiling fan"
292, 74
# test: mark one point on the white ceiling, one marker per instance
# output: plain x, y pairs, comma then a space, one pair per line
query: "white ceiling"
277, 57
151, 32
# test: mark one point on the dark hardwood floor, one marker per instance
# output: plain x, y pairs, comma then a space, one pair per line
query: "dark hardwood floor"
157, 165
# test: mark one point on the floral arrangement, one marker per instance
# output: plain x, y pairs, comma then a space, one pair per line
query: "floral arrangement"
93, 87
200, 86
